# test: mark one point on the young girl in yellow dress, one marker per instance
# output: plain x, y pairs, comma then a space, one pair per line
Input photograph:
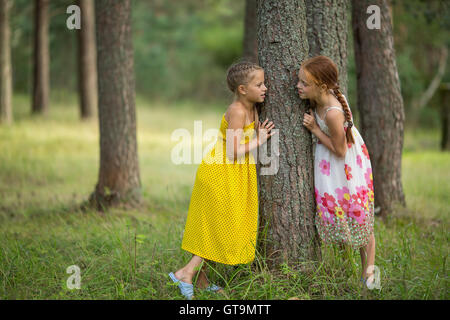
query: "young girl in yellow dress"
222, 219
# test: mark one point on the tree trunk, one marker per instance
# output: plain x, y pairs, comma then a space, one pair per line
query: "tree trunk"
380, 103
445, 115
250, 44
87, 64
119, 179
5, 64
434, 84
327, 33
286, 199
41, 80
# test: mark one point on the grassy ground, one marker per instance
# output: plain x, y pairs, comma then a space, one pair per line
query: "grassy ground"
49, 166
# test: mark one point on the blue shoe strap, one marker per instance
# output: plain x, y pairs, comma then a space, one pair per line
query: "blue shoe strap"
213, 288
187, 289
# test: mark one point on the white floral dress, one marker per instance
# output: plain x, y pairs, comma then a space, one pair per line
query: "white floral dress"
344, 191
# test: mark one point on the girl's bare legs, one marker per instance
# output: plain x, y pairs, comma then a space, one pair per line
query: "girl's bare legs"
188, 272
368, 257
202, 280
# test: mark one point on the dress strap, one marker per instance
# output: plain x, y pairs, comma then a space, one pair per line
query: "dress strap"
326, 111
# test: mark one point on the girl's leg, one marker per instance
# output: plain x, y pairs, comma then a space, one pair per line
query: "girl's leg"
368, 257
187, 273
202, 281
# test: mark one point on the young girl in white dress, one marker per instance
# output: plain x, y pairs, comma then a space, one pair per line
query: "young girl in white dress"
342, 168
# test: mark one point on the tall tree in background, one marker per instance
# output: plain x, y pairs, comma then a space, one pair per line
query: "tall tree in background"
119, 179
41, 63
380, 102
286, 199
250, 44
5, 64
87, 64
445, 116
327, 33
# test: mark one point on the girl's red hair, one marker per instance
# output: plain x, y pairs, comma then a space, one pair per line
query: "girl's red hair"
324, 71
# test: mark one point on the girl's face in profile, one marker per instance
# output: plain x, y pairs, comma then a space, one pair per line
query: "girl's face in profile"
255, 89
306, 87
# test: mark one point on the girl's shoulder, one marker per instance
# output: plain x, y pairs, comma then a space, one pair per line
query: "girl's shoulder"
334, 112
334, 116
335, 109
330, 111
235, 110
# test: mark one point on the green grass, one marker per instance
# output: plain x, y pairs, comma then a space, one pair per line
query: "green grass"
48, 166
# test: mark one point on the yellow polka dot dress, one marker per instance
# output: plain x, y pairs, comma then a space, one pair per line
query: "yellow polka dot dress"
222, 218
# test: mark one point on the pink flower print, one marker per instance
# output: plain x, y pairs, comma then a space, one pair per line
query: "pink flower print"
348, 169
359, 161
322, 209
365, 151
327, 217
370, 195
344, 198
319, 210
316, 192
358, 199
325, 167
345, 204
362, 193
369, 178
366, 205
357, 213
341, 192
339, 213
329, 202
370, 200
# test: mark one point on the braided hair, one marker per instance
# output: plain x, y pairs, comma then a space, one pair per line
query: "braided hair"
239, 73
324, 71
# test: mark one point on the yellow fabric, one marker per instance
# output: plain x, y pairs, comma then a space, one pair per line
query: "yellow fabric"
222, 218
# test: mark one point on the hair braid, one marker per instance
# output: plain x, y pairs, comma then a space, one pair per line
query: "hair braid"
348, 114
239, 73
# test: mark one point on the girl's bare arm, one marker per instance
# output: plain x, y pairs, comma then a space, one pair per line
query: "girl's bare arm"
337, 142
236, 150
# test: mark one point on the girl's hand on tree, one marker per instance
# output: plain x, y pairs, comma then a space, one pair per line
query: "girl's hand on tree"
310, 122
264, 131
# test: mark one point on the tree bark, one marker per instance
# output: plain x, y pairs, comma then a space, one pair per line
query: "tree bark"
87, 64
119, 179
41, 79
250, 44
6, 115
380, 103
286, 199
445, 116
327, 33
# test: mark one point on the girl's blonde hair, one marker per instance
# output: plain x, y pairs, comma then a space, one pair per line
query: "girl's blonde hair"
239, 73
324, 71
